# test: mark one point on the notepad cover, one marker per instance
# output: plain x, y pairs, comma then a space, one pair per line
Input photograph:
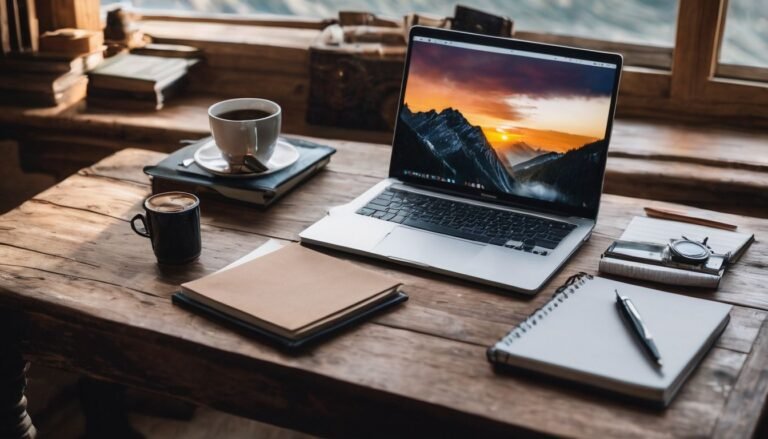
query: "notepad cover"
292, 291
580, 335
291, 343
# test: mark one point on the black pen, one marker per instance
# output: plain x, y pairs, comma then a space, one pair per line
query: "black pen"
628, 310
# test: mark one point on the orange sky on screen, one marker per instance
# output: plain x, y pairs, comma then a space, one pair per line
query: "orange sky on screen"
541, 123
504, 140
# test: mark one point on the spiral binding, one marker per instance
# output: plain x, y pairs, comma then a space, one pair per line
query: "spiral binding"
570, 286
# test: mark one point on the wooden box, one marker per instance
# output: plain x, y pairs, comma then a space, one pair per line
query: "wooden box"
78, 14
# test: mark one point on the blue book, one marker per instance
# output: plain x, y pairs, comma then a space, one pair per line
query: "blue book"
171, 175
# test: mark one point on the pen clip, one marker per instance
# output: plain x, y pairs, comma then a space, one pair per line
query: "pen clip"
636, 315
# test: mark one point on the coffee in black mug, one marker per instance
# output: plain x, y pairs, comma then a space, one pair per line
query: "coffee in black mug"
172, 223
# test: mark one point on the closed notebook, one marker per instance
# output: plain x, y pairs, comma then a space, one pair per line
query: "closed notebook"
170, 175
292, 292
139, 73
579, 335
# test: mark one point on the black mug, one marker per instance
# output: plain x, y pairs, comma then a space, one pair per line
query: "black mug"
172, 223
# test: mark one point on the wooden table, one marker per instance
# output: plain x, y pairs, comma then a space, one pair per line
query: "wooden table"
79, 290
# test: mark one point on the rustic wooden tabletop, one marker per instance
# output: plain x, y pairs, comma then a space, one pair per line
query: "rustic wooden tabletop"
79, 290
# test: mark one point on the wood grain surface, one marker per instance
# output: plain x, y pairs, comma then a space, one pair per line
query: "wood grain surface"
90, 297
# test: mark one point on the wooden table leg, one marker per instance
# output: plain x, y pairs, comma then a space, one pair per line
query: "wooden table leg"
14, 419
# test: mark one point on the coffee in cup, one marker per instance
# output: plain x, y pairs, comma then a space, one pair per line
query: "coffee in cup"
246, 131
170, 202
172, 223
244, 115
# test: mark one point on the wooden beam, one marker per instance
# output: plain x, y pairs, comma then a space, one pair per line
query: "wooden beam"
749, 73
735, 91
5, 35
263, 20
699, 24
78, 14
649, 83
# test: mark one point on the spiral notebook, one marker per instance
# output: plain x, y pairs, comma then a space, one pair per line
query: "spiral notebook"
579, 335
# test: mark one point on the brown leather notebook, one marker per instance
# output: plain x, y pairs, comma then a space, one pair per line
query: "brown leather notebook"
292, 292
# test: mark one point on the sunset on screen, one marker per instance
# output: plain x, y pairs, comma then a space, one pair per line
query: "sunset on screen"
533, 104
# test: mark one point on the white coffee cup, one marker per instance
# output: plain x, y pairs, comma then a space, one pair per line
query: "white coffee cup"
245, 127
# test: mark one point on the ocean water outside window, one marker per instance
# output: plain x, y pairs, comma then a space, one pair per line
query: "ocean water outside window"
745, 40
650, 22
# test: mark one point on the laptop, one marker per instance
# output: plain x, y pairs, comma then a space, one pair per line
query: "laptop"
497, 161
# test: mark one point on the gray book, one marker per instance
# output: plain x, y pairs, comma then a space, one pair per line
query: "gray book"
139, 73
580, 335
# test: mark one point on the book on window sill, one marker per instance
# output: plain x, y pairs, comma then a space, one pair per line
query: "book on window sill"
69, 96
137, 82
290, 295
134, 100
50, 62
139, 73
171, 175
38, 82
71, 41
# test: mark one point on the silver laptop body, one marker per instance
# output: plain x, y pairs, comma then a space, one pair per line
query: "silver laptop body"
537, 159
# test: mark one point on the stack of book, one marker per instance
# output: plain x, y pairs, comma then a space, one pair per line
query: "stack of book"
46, 69
137, 82
45, 78
71, 42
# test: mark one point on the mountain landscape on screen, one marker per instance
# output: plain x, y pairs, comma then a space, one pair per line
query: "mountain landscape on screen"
525, 126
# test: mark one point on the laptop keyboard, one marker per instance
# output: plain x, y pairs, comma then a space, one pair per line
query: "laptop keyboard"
476, 223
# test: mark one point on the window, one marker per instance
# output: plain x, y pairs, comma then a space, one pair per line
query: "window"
643, 30
629, 21
745, 41
684, 59
744, 49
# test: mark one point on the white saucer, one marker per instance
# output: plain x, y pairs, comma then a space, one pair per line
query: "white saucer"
209, 158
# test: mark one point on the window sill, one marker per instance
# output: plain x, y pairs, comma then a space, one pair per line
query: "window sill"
651, 159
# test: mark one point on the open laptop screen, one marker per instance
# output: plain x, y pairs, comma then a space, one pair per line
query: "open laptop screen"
516, 123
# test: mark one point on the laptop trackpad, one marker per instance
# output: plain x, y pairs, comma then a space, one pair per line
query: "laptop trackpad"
425, 248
